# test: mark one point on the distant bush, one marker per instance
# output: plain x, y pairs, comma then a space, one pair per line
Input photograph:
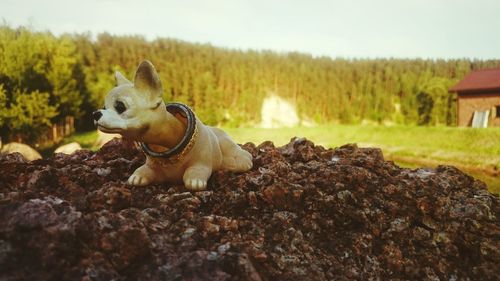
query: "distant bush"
29, 114
37, 86
223, 86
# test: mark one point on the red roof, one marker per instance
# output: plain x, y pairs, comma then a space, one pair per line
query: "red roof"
479, 80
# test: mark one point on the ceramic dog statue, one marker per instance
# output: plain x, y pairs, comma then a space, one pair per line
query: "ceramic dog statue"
178, 146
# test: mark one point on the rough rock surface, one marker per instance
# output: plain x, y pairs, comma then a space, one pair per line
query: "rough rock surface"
302, 213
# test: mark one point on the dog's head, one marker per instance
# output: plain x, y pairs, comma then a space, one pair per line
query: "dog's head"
130, 107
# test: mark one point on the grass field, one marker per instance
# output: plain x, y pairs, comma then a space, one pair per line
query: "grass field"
476, 151
479, 148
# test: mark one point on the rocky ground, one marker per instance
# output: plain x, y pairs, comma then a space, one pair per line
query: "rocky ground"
302, 213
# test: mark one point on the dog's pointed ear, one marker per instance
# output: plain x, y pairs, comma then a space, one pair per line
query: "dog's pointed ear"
147, 80
120, 79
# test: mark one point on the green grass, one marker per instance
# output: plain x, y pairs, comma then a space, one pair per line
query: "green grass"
476, 151
479, 148
85, 139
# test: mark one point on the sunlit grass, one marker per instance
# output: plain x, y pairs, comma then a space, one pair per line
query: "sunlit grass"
474, 150
477, 147
85, 139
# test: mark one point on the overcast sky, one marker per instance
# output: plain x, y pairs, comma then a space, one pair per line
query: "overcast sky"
336, 28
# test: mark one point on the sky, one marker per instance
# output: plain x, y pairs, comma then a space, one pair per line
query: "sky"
336, 28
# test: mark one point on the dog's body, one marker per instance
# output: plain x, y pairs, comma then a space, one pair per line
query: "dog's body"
137, 112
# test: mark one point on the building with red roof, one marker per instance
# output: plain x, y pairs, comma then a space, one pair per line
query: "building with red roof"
478, 98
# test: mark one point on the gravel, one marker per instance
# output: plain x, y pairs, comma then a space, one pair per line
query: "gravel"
302, 213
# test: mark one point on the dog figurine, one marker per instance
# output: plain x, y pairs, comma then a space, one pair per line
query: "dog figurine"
178, 146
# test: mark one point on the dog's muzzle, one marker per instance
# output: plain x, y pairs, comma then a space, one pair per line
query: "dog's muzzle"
97, 115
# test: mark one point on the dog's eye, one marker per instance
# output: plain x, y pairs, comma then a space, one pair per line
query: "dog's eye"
120, 107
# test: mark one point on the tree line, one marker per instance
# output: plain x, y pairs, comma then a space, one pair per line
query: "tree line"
44, 78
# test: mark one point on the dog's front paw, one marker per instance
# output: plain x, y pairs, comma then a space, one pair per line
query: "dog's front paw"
138, 180
195, 184
141, 177
196, 177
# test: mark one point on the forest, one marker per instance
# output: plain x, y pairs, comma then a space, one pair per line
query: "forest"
44, 78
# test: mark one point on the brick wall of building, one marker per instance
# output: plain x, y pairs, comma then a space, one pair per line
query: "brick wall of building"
468, 103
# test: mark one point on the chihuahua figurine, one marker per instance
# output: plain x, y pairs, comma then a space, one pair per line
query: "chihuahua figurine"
178, 146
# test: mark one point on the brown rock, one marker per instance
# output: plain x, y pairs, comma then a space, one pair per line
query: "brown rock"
302, 213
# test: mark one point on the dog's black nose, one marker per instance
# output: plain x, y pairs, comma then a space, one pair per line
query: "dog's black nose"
97, 115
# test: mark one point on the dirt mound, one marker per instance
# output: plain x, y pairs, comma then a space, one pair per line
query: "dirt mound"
302, 213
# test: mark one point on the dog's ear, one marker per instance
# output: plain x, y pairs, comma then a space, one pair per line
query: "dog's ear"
120, 79
147, 80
